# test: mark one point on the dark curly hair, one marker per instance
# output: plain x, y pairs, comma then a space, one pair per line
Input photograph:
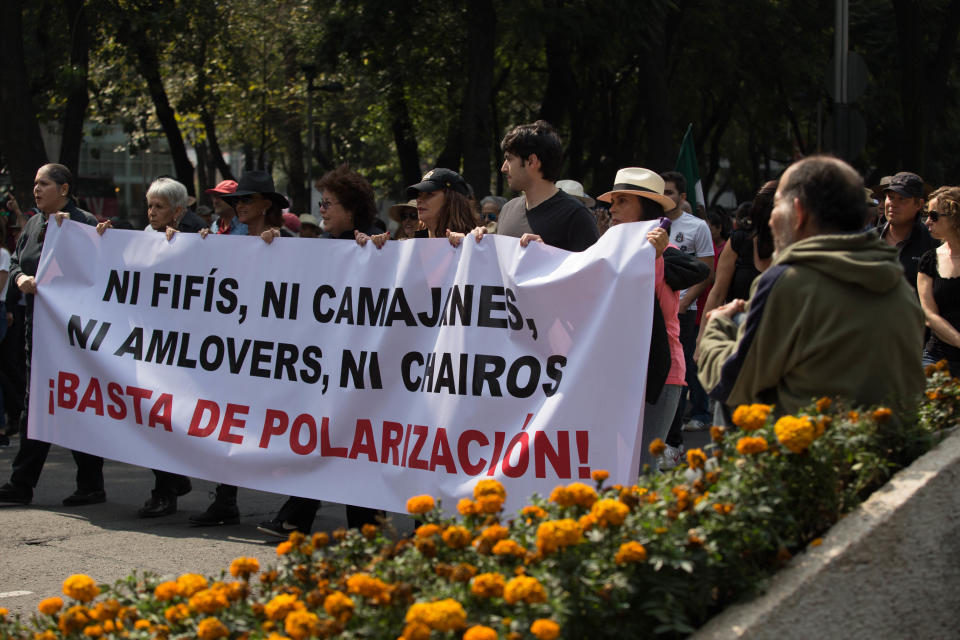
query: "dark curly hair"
760, 211
354, 193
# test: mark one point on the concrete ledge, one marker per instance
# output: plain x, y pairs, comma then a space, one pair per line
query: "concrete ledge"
890, 569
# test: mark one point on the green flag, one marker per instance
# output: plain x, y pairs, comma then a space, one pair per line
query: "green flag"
687, 165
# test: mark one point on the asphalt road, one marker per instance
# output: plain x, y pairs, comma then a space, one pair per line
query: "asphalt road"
43, 543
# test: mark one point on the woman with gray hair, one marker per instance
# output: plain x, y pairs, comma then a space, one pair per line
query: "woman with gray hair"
167, 211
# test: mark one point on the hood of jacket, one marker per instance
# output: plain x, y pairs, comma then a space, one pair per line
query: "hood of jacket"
857, 258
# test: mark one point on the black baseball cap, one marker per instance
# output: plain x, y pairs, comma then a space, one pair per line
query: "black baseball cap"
907, 184
439, 179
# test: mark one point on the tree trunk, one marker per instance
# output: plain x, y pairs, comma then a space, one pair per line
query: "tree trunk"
936, 89
216, 154
149, 65
77, 96
475, 115
449, 157
295, 150
912, 82
20, 138
404, 137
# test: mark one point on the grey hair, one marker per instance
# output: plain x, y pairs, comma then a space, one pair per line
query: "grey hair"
497, 200
170, 190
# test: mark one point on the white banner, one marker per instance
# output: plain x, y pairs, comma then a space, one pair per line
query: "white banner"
322, 369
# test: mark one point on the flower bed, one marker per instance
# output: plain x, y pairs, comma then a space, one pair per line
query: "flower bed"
589, 561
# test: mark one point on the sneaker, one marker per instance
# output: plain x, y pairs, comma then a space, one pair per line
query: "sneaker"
217, 513
695, 425
158, 505
670, 457
10, 494
80, 497
278, 529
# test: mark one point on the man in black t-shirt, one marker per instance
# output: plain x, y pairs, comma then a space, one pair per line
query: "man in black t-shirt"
543, 213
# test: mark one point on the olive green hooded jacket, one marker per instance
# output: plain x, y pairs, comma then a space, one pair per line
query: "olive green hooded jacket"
832, 316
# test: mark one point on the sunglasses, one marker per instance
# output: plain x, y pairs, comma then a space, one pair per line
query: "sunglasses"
934, 215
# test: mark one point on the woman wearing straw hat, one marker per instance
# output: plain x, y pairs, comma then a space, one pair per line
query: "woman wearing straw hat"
407, 219
637, 195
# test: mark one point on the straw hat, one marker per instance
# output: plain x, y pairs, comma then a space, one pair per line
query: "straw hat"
397, 209
639, 182
575, 189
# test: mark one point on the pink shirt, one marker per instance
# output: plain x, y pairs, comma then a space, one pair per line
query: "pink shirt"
669, 303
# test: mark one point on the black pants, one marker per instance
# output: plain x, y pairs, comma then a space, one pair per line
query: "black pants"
300, 512
169, 484
28, 463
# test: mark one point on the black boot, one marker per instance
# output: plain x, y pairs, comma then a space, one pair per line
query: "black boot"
159, 504
223, 510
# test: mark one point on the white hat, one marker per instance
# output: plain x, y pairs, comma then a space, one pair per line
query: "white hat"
640, 182
306, 218
575, 189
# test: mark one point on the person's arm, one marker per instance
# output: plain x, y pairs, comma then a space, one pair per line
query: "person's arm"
694, 292
937, 323
721, 285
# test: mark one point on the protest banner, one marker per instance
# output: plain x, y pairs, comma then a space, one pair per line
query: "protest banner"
328, 370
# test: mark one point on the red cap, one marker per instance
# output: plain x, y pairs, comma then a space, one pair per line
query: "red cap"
292, 222
225, 187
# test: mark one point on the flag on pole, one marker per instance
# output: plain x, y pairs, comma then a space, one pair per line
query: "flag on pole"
687, 165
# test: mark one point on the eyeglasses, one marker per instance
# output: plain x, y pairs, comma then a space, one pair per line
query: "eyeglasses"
409, 215
326, 204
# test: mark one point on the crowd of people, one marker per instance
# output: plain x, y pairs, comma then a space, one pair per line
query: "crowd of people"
779, 301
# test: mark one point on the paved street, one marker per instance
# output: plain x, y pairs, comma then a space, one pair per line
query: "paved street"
45, 542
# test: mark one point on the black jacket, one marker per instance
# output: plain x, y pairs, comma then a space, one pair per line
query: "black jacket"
26, 256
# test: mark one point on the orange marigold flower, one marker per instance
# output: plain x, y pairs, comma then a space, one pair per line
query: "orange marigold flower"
466, 507
73, 619
456, 537
243, 567
696, 458
524, 589
93, 631
369, 587
609, 512
853, 416
420, 504
716, 433
480, 632
415, 631
4, 612
600, 475
493, 533
816, 542
284, 548
545, 629
823, 404
142, 624
587, 521
794, 433
339, 606
176, 613
489, 486
882, 414
724, 509
554, 535
487, 585
209, 600
49, 606
820, 425
427, 530
165, 591
211, 629
442, 615
657, 447
463, 572
508, 548
751, 417
320, 539
489, 503
748, 445
630, 552
80, 587
369, 531
694, 539
40, 635
189, 583
281, 605
300, 625
533, 511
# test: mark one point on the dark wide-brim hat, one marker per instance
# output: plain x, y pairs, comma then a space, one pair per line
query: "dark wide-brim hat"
252, 182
